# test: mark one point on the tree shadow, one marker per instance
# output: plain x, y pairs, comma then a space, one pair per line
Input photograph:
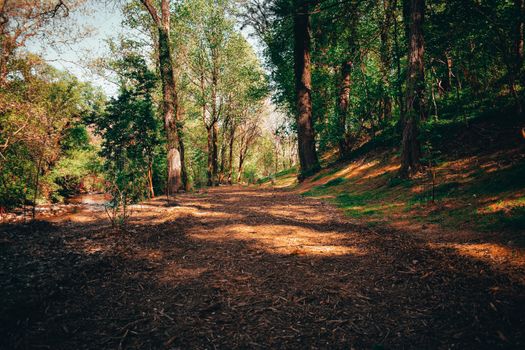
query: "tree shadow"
176, 284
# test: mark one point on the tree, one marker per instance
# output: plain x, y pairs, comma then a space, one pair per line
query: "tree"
170, 106
225, 79
130, 130
415, 96
305, 130
37, 107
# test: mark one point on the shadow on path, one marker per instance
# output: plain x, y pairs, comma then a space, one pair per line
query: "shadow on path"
245, 268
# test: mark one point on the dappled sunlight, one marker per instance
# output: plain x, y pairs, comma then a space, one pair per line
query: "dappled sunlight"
286, 182
282, 239
360, 170
488, 252
216, 215
154, 255
311, 214
83, 217
375, 208
93, 248
379, 171
504, 205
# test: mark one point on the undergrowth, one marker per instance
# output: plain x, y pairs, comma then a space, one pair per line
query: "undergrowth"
486, 193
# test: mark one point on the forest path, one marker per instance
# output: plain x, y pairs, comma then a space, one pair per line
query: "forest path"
241, 267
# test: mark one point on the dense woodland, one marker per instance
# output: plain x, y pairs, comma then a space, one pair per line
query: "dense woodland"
196, 107
275, 174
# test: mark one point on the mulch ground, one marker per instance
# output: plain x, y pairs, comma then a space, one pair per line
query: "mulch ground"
238, 267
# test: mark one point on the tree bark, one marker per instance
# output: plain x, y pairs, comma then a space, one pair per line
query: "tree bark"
241, 164
520, 26
230, 156
215, 153
516, 74
209, 169
184, 171
386, 48
342, 106
399, 84
150, 181
415, 94
308, 160
169, 95
222, 166
214, 120
169, 107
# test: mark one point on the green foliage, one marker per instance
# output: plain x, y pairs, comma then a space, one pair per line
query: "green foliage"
130, 131
76, 137
40, 118
470, 68
66, 177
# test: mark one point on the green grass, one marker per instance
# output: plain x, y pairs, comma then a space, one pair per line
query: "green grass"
375, 204
334, 182
332, 171
461, 200
509, 179
444, 190
281, 173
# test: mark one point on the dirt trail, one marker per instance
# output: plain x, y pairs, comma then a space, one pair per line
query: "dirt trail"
238, 267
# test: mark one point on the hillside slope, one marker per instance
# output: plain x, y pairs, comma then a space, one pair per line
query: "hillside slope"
471, 199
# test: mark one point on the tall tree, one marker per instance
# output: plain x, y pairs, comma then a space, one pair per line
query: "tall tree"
519, 8
303, 87
415, 91
170, 99
386, 57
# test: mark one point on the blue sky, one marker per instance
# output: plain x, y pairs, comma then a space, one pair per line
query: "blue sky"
104, 22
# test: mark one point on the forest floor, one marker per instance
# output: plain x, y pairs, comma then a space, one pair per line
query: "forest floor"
245, 267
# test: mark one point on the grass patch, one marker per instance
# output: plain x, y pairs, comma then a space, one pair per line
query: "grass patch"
444, 190
277, 175
509, 179
326, 173
334, 182
396, 181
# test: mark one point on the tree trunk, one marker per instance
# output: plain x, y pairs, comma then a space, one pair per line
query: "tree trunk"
184, 171
385, 55
215, 149
415, 94
37, 185
209, 170
516, 73
241, 164
230, 157
169, 107
399, 83
150, 181
519, 46
169, 94
342, 106
449, 70
222, 167
309, 162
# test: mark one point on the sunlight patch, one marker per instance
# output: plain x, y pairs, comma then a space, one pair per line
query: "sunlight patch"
283, 239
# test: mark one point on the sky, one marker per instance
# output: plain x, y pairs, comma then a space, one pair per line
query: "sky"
102, 22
